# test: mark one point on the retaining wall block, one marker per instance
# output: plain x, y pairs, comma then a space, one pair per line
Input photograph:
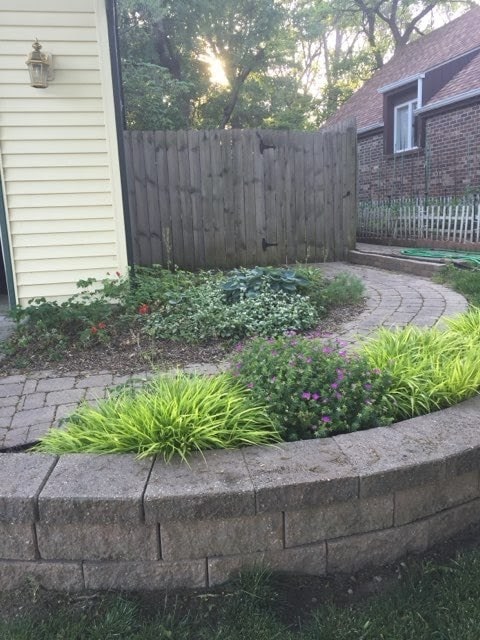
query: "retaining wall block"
214, 484
17, 541
57, 576
145, 576
309, 559
304, 473
418, 502
389, 459
221, 537
454, 433
95, 488
448, 523
21, 477
87, 541
349, 554
310, 525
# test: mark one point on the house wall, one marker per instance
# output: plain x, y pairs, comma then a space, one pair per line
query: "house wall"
58, 149
449, 164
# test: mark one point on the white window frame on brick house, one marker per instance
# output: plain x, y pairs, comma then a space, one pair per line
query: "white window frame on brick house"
406, 142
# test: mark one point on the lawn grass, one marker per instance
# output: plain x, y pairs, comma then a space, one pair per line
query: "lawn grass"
431, 601
464, 281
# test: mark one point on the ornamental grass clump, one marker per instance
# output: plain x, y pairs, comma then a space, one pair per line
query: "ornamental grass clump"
171, 415
313, 388
430, 369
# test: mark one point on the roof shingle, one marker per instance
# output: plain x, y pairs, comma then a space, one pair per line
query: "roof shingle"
450, 41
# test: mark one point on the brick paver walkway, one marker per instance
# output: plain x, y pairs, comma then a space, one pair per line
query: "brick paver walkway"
30, 404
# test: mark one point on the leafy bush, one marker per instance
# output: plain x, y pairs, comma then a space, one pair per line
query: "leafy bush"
202, 314
430, 369
249, 283
313, 388
171, 415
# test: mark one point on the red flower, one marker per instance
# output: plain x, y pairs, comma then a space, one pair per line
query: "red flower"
143, 309
93, 330
102, 325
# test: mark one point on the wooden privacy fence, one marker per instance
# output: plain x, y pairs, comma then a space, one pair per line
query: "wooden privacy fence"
446, 222
202, 199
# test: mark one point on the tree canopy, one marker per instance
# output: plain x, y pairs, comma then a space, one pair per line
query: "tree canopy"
258, 63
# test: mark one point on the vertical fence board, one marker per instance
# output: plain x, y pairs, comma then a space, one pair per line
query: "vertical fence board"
249, 146
206, 197
152, 203
186, 214
175, 203
196, 198
271, 160
321, 231
161, 166
142, 222
228, 201
238, 198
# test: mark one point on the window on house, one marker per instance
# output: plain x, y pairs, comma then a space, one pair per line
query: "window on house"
404, 126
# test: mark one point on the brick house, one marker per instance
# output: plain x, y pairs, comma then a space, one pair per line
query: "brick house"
418, 117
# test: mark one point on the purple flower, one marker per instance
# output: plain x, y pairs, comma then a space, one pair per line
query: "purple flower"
326, 419
315, 396
274, 353
377, 371
342, 353
327, 349
367, 386
338, 396
340, 374
306, 395
239, 347
250, 385
308, 360
334, 385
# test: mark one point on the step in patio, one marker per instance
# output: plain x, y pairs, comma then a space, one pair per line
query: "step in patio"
422, 268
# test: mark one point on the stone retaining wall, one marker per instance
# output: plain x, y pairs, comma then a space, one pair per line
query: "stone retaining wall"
316, 507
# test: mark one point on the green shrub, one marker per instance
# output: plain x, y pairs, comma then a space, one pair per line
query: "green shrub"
313, 389
430, 369
171, 415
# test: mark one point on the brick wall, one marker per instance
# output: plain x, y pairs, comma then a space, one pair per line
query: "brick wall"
320, 507
449, 164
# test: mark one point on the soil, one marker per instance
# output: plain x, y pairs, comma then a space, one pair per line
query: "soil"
132, 352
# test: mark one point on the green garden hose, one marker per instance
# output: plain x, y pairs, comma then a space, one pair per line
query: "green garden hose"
435, 254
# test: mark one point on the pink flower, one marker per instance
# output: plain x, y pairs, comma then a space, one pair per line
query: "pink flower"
306, 395
143, 309
326, 419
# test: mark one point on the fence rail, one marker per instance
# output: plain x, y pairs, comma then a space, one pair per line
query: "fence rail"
202, 199
446, 222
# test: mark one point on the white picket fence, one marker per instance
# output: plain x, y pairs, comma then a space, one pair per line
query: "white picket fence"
446, 222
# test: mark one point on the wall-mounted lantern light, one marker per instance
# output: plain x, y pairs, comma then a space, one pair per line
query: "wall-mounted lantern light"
40, 66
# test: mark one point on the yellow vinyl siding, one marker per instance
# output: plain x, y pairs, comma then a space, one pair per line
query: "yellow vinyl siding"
58, 149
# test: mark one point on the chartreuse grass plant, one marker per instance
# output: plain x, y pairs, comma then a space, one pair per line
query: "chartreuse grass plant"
430, 369
171, 415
